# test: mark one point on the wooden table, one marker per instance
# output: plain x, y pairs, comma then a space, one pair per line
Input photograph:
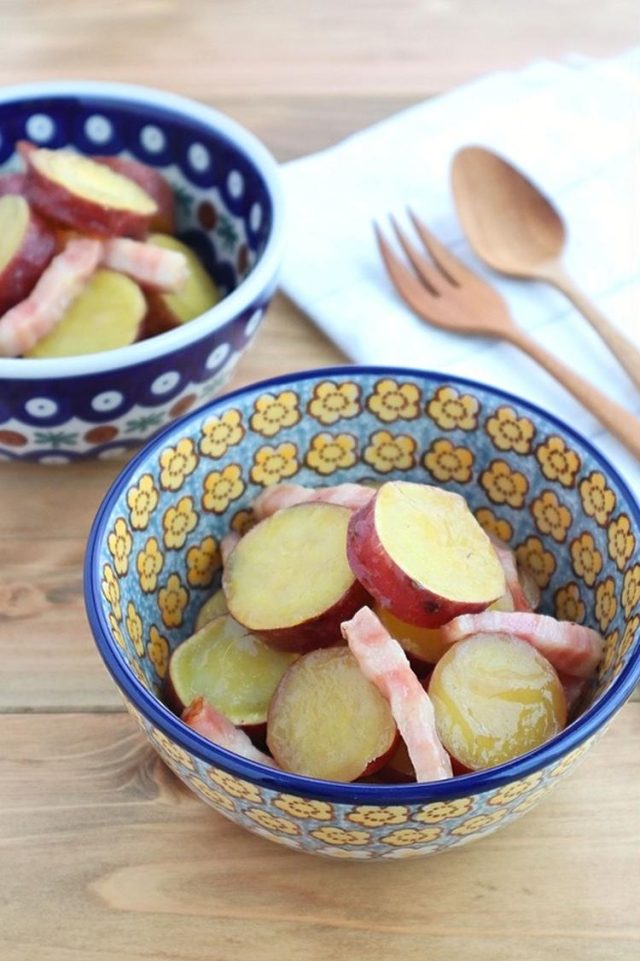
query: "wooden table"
103, 854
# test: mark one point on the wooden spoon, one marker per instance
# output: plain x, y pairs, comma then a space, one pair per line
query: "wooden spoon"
514, 228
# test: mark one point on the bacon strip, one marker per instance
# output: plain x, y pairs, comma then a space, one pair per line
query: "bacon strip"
571, 648
206, 720
384, 663
151, 266
33, 318
276, 498
521, 602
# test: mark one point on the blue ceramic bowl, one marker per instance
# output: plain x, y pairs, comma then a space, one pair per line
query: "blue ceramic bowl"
229, 209
152, 559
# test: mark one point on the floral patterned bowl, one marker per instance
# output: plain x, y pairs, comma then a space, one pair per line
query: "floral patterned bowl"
229, 209
153, 558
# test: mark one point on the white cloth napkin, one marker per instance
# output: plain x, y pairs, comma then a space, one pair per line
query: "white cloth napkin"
574, 128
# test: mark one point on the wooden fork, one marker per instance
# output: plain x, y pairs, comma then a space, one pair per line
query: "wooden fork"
447, 294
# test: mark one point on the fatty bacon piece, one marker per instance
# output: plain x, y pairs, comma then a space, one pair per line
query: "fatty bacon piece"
288, 495
520, 584
59, 284
384, 663
571, 648
148, 265
202, 717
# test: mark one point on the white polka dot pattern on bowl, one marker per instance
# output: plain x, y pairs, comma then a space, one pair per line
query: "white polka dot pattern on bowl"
152, 138
199, 157
165, 382
98, 129
235, 184
40, 127
41, 407
217, 356
255, 217
108, 400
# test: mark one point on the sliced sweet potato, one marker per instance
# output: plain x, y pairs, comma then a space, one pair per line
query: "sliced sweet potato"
153, 183
26, 247
327, 720
75, 191
108, 313
32, 319
231, 668
571, 648
422, 555
197, 295
288, 579
495, 698
212, 608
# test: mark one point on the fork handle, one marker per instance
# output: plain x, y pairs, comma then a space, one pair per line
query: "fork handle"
618, 421
619, 345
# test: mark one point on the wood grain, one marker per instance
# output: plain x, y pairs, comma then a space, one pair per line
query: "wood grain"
300, 47
96, 831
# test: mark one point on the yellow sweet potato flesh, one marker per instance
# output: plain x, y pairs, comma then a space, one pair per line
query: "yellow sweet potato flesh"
106, 315
92, 181
198, 294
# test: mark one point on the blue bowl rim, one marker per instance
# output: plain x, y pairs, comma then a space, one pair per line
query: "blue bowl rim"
351, 793
246, 293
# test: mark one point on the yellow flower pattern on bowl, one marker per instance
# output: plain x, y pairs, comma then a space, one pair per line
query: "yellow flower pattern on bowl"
157, 559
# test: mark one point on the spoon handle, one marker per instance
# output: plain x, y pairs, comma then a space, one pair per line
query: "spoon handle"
618, 344
618, 421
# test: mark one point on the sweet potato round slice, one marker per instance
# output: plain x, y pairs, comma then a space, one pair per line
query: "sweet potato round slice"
213, 607
197, 295
232, 669
107, 314
495, 698
26, 247
25, 324
422, 555
572, 648
327, 720
153, 183
423, 645
288, 579
77, 192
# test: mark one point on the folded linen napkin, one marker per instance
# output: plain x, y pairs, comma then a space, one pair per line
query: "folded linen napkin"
574, 128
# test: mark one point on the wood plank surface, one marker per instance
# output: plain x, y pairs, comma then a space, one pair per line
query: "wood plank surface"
104, 855
107, 857
300, 47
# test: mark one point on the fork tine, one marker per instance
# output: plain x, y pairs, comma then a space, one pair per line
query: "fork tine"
411, 290
429, 274
453, 268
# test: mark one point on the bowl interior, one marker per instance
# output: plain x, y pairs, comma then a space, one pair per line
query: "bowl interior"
224, 208
154, 554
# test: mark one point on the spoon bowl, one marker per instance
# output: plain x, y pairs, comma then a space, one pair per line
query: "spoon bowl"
516, 230
509, 223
